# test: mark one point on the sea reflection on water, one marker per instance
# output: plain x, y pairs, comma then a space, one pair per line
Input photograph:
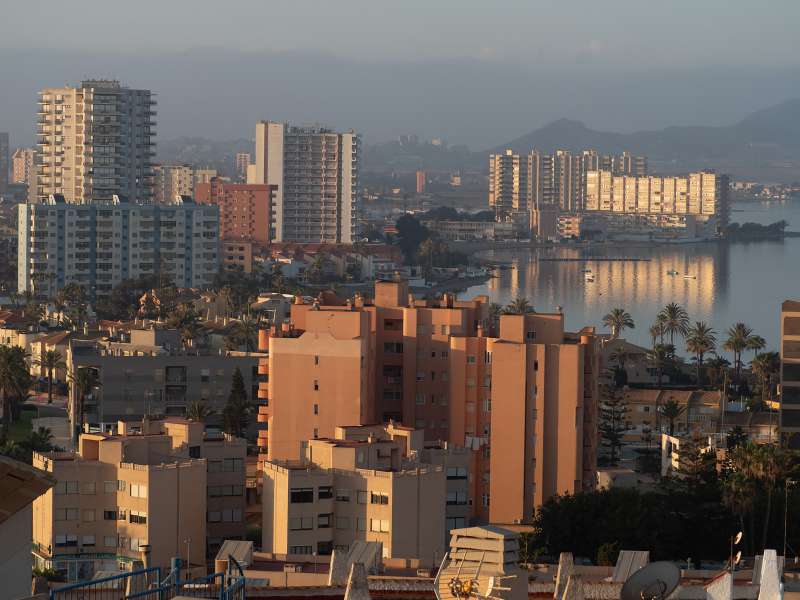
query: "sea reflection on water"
728, 282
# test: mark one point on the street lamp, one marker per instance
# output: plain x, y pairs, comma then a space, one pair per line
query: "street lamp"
786, 516
188, 542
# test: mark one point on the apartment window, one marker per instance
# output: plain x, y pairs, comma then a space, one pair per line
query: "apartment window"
485, 500
214, 516
88, 487
324, 492
122, 514
455, 523
324, 521
393, 347
343, 495
316, 360
300, 550
445, 353
316, 385
471, 359
443, 400
534, 389
530, 335
443, 329
456, 498
66, 487
535, 365
379, 525
205, 375
316, 433
301, 495
487, 405
487, 381
88, 515
316, 409
361, 524
110, 487
301, 523
121, 486
420, 375
88, 540
420, 398
66, 514
110, 541
470, 382
109, 515
343, 523
433, 353
419, 423
194, 451
456, 472
138, 490
67, 540
362, 497
378, 498
138, 517
445, 377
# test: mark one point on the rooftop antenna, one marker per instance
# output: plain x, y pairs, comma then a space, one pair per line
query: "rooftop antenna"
656, 581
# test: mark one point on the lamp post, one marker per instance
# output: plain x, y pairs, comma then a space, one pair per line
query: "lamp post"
786, 517
188, 542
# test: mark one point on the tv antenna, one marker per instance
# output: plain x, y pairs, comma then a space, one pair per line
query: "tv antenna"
656, 581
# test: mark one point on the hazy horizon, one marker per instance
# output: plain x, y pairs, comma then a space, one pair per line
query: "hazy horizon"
478, 74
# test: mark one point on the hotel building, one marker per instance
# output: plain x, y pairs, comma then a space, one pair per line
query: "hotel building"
95, 141
521, 393
99, 244
316, 174
145, 494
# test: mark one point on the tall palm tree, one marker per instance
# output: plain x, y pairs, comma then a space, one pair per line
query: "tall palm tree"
50, 361
675, 319
656, 333
519, 306
199, 411
756, 343
15, 380
700, 340
671, 411
716, 368
618, 320
660, 357
739, 336
765, 366
84, 380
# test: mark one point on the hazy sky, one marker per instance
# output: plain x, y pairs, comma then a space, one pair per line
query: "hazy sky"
478, 73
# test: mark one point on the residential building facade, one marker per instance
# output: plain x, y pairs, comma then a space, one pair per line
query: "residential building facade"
171, 181
316, 174
95, 141
790, 373
23, 166
4, 161
97, 245
244, 210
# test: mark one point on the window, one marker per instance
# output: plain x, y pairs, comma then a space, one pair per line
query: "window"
301, 523
213, 516
487, 357
487, 381
110, 487
66, 514
216, 491
66, 487
316, 409
109, 515
324, 521
110, 541
88, 487
445, 353
445, 376
67, 540
433, 375
300, 550
470, 382
88, 515
456, 498
485, 500
487, 405
316, 360
138, 517
379, 525
122, 515
301, 495
362, 497
455, 523
419, 423
456, 472
420, 398
420, 375
316, 385
471, 359
393, 347
530, 335
324, 492
138, 490
88, 540
343, 523
361, 524
378, 498
343, 495
121, 486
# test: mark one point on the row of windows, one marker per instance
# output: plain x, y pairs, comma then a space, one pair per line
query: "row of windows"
227, 465
306, 495
232, 515
215, 491
109, 541
63, 488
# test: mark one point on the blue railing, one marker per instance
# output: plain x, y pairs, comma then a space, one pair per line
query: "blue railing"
146, 584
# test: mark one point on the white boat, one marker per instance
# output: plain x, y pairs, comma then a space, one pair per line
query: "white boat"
690, 276
672, 272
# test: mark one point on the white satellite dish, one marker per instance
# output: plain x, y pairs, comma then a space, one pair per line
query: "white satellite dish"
656, 581
737, 539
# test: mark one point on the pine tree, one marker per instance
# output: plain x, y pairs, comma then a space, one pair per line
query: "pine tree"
237, 408
613, 423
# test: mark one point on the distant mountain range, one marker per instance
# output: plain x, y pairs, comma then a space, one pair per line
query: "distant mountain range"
764, 145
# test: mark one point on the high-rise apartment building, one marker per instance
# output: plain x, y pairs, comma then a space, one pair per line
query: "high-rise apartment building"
522, 394
243, 160
316, 171
4, 164
790, 373
23, 167
422, 180
526, 182
96, 141
98, 245
148, 492
171, 181
244, 209
702, 194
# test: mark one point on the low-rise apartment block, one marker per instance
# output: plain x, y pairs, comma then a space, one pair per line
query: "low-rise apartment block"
367, 483
143, 495
99, 244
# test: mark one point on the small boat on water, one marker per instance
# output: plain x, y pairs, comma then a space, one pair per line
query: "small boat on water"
690, 276
672, 272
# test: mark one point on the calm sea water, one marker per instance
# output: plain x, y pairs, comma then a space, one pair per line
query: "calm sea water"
742, 281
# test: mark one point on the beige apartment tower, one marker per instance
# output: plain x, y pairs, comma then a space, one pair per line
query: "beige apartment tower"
23, 168
316, 174
171, 181
790, 373
95, 141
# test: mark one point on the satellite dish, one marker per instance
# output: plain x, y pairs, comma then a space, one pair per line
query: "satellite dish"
656, 581
737, 558
738, 538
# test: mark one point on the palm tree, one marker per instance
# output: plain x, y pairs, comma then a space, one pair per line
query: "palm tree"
15, 380
199, 411
519, 306
716, 368
618, 320
739, 336
656, 333
495, 310
50, 361
700, 340
756, 343
660, 357
765, 366
671, 410
84, 380
675, 319
247, 332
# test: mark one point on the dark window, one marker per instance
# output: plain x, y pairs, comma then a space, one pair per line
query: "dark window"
393, 347
790, 418
324, 521
324, 548
324, 492
194, 451
301, 495
110, 515
791, 349
791, 326
790, 395
791, 372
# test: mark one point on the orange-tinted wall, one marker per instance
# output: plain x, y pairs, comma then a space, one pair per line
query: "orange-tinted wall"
244, 209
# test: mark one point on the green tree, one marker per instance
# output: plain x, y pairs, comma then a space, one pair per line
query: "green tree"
237, 408
671, 411
739, 337
618, 320
675, 319
766, 367
700, 340
50, 361
411, 234
716, 368
613, 423
198, 411
661, 357
756, 343
15, 381
186, 320
519, 306
83, 380
656, 332
247, 332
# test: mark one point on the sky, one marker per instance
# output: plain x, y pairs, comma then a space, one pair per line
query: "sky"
475, 72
